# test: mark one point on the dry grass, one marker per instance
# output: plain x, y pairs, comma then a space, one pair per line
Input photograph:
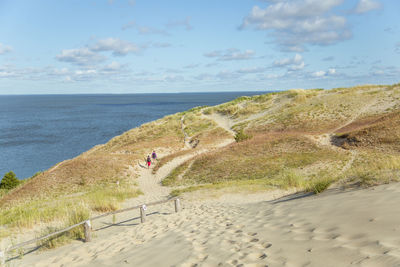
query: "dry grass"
378, 133
278, 156
374, 167
276, 160
100, 199
76, 216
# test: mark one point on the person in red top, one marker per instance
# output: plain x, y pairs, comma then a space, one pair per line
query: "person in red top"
148, 161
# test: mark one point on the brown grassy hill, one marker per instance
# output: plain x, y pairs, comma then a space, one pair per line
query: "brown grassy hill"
294, 144
377, 133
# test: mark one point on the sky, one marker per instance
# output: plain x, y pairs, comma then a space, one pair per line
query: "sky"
154, 46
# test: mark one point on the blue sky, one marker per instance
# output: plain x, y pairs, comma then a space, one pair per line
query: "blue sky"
138, 46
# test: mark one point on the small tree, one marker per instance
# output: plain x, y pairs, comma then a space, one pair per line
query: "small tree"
241, 136
9, 181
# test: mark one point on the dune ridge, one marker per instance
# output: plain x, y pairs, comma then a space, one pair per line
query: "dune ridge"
246, 203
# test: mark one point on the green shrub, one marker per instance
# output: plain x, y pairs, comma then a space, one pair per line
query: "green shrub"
318, 186
241, 136
9, 181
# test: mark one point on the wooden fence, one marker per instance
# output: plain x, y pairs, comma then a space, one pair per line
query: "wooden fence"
88, 227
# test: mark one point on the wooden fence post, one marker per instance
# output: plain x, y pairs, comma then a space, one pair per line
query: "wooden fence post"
88, 231
177, 205
143, 213
2, 258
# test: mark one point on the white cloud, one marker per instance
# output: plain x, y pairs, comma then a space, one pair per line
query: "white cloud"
297, 23
117, 46
85, 72
6, 74
295, 63
379, 72
297, 67
114, 71
273, 76
231, 54
366, 5
4, 49
80, 56
332, 71
112, 67
320, 73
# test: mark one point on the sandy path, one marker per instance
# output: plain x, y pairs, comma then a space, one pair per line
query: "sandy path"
336, 228
222, 121
186, 137
150, 183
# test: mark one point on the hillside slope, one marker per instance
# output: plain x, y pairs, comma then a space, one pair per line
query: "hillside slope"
301, 139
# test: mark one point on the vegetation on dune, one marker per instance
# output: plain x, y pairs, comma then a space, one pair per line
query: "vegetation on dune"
240, 136
369, 114
377, 132
9, 181
76, 216
280, 161
374, 167
277, 148
194, 124
100, 199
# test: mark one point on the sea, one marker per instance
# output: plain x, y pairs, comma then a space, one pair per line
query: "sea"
38, 131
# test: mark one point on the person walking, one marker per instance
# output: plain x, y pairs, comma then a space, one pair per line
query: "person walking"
148, 160
154, 155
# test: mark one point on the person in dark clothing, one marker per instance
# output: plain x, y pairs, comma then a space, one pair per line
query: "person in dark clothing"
148, 161
154, 155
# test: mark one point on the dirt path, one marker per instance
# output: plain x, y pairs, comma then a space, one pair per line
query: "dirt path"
150, 184
186, 137
325, 139
222, 121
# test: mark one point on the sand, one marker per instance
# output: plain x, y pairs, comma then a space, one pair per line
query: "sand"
357, 227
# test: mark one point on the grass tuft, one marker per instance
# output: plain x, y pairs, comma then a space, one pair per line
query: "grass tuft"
78, 215
319, 185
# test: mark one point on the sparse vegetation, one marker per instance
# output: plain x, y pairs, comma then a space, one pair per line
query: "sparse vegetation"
319, 185
279, 153
77, 233
100, 199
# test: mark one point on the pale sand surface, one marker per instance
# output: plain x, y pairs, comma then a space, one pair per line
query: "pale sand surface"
337, 228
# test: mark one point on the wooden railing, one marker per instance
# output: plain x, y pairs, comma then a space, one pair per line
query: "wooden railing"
88, 227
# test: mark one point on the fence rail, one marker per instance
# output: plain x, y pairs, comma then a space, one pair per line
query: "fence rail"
87, 225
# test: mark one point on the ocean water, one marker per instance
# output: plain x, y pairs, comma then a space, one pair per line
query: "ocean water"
38, 131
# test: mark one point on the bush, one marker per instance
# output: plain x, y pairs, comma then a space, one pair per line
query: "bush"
241, 136
9, 181
318, 186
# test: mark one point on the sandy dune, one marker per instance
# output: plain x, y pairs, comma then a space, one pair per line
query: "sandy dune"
357, 227
336, 228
